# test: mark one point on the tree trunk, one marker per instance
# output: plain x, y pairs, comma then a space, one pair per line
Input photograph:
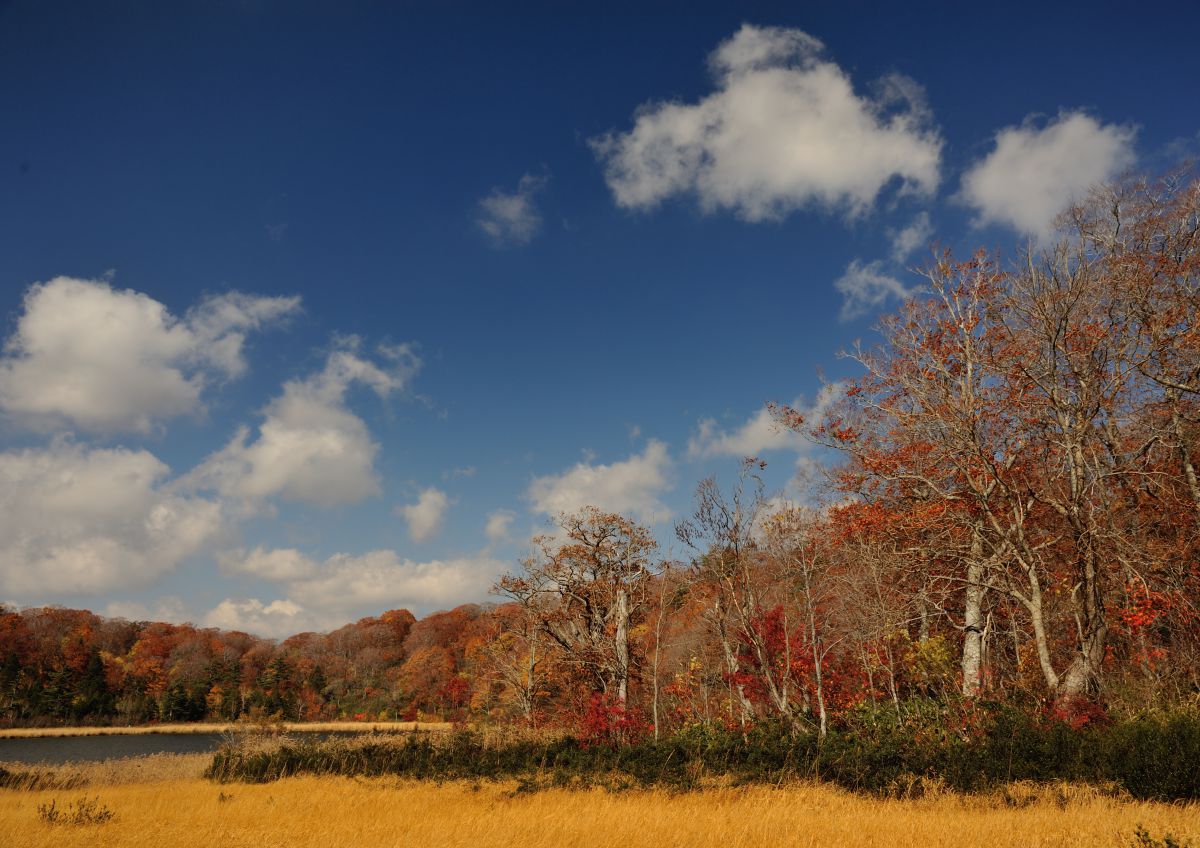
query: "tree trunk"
1040, 639
622, 645
972, 649
1083, 675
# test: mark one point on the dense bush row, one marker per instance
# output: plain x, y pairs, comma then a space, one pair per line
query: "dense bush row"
1153, 756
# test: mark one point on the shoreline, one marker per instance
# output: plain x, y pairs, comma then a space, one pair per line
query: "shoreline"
229, 727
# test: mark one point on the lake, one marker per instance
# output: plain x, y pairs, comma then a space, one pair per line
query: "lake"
53, 750
62, 749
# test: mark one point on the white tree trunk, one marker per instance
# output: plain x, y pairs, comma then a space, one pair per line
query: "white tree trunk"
972, 649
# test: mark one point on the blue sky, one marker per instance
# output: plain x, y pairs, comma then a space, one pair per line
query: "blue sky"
312, 310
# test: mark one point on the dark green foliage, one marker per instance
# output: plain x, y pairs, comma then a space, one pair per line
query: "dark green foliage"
1158, 753
182, 702
92, 697
880, 752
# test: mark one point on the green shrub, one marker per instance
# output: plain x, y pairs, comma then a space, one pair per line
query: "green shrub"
963, 747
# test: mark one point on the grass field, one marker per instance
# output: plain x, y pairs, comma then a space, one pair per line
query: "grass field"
167, 803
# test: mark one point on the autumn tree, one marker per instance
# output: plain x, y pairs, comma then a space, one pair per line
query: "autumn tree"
589, 584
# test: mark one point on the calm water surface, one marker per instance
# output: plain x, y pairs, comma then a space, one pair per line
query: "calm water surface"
64, 749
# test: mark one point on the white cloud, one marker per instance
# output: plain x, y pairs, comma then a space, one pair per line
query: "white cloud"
107, 360
277, 620
631, 486
784, 129
912, 237
310, 447
273, 564
1035, 172
347, 587
425, 517
498, 524
381, 580
865, 287
512, 218
760, 433
83, 521
169, 608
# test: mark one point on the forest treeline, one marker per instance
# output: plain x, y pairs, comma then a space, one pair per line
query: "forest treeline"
1010, 514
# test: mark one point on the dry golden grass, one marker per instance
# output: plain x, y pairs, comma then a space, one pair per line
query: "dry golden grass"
288, 727
303, 812
154, 768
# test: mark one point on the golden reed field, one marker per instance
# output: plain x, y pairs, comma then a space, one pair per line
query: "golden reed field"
166, 804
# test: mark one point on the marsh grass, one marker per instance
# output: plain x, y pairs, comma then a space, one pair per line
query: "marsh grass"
153, 768
307, 812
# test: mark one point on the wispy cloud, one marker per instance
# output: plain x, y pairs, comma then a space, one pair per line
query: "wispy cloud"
866, 286
512, 218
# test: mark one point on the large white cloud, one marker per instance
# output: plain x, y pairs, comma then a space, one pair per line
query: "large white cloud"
346, 587
75, 520
760, 433
102, 359
310, 447
631, 486
1035, 172
425, 517
512, 218
783, 130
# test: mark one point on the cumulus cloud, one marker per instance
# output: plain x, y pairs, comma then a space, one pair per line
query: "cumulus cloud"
498, 524
916, 234
277, 620
269, 564
760, 433
310, 447
425, 517
630, 486
865, 287
512, 218
382, 579
346, 587
75, 520
102, 359
784, 129
1035, 172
